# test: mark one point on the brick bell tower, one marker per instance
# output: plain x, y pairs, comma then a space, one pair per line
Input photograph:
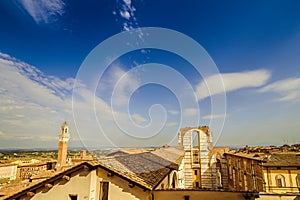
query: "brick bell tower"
63, 138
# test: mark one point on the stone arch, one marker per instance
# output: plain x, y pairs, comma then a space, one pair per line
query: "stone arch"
173, 180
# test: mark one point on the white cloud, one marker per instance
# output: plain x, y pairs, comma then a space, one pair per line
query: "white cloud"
122, 84
190, 112
138, 119
170, 124
216, 116
289, 89
173, 112
33, 105
127, 2
43, 11
125, 14
232, 81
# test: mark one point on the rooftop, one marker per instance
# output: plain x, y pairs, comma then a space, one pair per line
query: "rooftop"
148, 168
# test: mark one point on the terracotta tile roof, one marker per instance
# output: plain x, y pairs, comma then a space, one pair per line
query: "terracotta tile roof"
43, 175
253, 156
283, 160
280, 159
147, 169
21, 189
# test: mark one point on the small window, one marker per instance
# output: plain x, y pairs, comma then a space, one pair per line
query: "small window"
280, 181
186, 197
197, 184
73, 196
104, 187
196, 172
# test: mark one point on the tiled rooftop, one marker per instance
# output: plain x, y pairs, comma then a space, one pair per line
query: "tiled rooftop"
283, 160
148, 168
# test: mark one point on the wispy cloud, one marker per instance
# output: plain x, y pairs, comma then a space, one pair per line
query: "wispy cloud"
34, 104
289, 89
43, 11
190, 112
232, 82
173, 112
171, 124
30, 100
216, 116
126, 11
138, 119
120, 82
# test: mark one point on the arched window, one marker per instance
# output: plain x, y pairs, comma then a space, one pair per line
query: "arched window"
195, 139
174, 180
280, 181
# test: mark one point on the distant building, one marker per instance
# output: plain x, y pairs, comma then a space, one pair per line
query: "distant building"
63, 146
244, 172
282, 173
143, 176
272, 171
131, 176
26, 171
82, 158
8, 172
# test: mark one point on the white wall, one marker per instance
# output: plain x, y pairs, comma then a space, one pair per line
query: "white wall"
84, 184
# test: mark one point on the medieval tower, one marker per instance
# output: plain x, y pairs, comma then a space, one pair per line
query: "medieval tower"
63, 138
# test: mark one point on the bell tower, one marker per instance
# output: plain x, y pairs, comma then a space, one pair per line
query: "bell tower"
63, 138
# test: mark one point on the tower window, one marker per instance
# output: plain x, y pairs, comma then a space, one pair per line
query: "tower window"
196, 172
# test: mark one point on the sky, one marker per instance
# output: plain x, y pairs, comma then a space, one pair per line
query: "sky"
232, 65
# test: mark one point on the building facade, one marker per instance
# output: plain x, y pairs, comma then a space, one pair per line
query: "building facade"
244, 172
274, 174
200, 166
8, 172
282, 173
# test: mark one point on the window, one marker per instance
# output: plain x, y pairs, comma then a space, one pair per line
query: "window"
197, 184
195, 139
233, 177
196, 172
104, 186
230, 172
245, 182
280, 181
73, 196
186, 197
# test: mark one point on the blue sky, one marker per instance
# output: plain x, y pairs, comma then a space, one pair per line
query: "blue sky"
254, 44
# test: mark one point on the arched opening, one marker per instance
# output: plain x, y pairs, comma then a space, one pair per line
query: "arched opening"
174, 180
280, 180
195, 139
195, 147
